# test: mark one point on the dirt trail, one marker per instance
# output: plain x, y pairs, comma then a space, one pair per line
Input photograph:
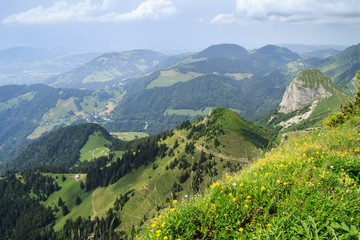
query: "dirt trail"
92, 204
201, 148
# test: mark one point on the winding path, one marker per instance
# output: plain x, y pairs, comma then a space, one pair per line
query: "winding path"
219, 155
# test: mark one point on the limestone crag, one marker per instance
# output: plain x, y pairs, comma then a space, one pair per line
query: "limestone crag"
301, 92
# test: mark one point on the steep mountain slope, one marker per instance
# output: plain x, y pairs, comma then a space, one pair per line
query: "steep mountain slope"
135, 183
250, 83
309, 98
342, 67
297, 191
108, 69
61, 148
27, 112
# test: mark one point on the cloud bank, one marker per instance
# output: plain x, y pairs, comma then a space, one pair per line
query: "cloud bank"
91, 11
296, 11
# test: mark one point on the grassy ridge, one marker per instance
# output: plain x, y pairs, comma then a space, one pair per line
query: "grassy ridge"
96, 146
308, 188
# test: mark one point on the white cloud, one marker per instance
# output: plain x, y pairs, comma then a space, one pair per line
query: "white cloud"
91, 11
318, 11
223, 19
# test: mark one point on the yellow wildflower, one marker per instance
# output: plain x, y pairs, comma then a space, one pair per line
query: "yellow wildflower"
175, 201
241, 229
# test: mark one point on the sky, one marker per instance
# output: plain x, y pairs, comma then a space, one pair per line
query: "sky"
176, 25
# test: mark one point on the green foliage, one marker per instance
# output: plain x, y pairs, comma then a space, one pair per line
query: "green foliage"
159, 108
227, 119
21, 216
20, 120
348, 110
309, 229
343, 231
302, 190
59, 148
343, 66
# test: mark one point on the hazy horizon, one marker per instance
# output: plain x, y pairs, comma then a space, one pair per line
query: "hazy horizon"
175, 26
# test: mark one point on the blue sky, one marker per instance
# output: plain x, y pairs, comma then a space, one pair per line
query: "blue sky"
176, 25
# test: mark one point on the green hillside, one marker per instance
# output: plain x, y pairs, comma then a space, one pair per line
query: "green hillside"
225, 75
311, 113
29, 112
342, 67
145, 177
108, 69
188, 159
63, 147
306, 189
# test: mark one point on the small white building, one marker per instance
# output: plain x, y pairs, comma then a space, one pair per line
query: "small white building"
77, 177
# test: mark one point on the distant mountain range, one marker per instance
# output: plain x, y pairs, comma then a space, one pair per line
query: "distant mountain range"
151, 92
25, 65
108, 69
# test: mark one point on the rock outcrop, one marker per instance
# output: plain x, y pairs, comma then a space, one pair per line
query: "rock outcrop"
308, 86
310, 89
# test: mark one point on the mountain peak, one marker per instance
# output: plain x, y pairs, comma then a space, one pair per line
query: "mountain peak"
278, 52
309, 85
222, 51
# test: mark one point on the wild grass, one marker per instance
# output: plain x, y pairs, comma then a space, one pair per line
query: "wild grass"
128, 136
306, 189
70, 189
95, 147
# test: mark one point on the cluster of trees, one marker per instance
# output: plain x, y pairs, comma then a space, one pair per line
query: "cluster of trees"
22, 217
120, 202
59, 148
99, 228
143, 153
21, 119
41, 185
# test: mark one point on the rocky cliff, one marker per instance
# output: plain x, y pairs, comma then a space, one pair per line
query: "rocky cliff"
308, 86
311, 96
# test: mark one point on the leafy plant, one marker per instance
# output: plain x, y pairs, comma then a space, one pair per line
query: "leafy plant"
346, 232
348, 110
309, 229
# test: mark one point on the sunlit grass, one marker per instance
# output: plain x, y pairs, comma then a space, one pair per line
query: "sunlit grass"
304, 189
